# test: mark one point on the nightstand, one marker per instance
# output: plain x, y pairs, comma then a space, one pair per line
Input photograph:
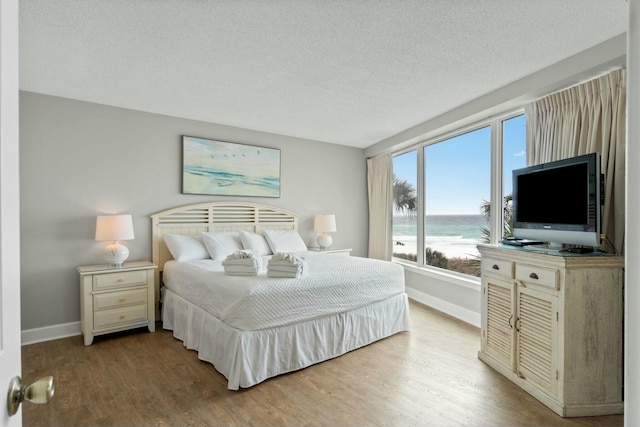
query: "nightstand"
116, 299
346, 252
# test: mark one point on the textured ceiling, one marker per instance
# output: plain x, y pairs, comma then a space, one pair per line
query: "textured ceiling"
338, 71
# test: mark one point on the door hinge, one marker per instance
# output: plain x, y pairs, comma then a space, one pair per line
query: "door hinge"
557, 374
557, 317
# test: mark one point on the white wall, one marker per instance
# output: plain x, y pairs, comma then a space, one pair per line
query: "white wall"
78, 160
632, 249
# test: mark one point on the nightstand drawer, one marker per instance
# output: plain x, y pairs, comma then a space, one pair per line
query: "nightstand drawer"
119, 299
119, 316
119, 279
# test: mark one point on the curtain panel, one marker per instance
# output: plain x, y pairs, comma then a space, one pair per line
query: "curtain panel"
587, 118
380, 188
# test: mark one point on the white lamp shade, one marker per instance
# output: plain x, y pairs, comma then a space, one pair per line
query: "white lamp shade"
114, 227
325, 223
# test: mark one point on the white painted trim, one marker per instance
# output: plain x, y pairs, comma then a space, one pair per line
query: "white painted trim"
446, 307
458, 279
49, 333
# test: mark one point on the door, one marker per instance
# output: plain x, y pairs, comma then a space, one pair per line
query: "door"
498, 334
537, 338
9, 209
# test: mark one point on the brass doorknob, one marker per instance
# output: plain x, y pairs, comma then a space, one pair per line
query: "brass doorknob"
39, 392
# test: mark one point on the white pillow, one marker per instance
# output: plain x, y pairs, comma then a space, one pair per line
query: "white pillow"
255, 242
221, 244
284, 241
185, 248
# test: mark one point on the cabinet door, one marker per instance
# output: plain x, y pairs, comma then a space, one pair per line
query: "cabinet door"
498, 319
537, 338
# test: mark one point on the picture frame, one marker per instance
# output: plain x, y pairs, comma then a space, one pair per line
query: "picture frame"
229, 169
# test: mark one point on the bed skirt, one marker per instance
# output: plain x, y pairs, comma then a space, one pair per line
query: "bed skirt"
247, 358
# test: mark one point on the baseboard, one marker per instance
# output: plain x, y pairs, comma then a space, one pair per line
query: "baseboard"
48, 333
446, 307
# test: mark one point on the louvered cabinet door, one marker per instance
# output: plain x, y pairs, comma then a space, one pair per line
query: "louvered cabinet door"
498, 333
537, 338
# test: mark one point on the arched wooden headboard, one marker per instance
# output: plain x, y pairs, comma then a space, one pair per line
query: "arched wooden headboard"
191, 220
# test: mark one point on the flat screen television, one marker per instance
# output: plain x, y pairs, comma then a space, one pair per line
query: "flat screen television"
559, 202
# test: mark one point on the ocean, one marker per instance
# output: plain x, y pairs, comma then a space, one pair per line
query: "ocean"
454, 235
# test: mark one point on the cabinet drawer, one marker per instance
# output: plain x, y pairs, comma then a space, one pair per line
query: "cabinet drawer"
497, 267
119, 299
119, 279
120, 316
538, 275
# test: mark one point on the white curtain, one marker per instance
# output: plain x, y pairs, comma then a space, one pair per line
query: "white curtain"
587, 118
379, 182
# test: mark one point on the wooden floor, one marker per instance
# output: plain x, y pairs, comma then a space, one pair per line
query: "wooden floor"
430, 376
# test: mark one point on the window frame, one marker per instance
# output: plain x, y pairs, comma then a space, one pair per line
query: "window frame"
496, 124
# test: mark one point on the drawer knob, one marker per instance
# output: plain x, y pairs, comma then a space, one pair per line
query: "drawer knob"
495, 267
122, 300
120, 280
122, 317
533, 276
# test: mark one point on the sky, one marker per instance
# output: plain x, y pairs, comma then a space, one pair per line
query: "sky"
458, 170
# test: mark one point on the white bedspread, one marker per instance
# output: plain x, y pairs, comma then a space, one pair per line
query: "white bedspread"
333, 284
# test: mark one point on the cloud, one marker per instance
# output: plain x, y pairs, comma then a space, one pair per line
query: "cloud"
520, 154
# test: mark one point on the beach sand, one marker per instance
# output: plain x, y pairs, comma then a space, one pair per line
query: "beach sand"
449, 248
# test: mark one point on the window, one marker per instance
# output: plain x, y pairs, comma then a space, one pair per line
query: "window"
457, 179
405, 205
514, 156
443, 194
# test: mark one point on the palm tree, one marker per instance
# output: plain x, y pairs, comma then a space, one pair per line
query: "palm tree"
507, 214
406, 202
404, 197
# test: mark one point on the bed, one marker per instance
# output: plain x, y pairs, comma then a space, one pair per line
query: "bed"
254, 328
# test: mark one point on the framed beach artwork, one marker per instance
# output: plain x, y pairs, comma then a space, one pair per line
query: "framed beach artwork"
229, 169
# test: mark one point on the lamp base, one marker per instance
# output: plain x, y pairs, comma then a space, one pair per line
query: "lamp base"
324, 241
115, 254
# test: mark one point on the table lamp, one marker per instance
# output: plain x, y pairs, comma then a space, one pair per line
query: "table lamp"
114, 228
324, 223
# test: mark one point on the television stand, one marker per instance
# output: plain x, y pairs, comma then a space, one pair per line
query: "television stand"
552, 323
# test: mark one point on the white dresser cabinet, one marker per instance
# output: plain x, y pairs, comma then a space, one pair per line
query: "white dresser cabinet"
116, 299
553, 324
